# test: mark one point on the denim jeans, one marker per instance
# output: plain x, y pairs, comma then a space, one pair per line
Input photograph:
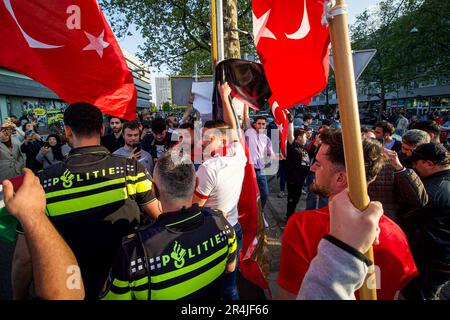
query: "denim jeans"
263, 187
229, 282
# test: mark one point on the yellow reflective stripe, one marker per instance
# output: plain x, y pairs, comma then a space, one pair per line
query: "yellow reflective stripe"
85, 188
139, 187
134, 178
143, 186
139, 282
87, 202
187, 269
232, 244
187, 287
141, 295
120, 284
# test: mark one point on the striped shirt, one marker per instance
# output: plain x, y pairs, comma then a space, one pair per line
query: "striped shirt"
183, 255
93, 200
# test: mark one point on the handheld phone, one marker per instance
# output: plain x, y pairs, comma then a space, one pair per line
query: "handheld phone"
137, 146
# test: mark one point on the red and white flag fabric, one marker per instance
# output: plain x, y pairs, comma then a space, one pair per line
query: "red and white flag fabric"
68, 46
292, 45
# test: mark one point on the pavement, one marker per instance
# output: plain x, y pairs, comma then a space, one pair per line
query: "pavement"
275, 212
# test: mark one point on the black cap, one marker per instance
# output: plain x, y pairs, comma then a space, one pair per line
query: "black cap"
429, 151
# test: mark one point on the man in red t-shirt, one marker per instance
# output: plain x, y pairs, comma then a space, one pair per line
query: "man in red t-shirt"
395, 266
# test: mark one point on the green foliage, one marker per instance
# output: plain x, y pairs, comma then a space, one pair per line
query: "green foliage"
403, 56
166, 107
176, 32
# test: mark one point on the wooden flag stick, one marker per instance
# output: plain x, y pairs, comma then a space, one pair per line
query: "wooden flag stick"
351, 129
214, 34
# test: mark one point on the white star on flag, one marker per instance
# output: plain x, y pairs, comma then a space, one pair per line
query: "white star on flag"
259, 28
96, 43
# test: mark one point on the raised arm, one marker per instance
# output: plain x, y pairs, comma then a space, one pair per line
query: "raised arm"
228, 116
290, 132
246, 117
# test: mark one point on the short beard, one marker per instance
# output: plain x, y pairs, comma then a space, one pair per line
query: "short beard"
320, 190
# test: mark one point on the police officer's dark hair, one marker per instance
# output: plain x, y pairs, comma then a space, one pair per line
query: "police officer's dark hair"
158, 125
84, 119
175, 176
132, 125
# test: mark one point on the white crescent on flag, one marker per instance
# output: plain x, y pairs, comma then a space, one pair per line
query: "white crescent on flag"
33, 43
304, 26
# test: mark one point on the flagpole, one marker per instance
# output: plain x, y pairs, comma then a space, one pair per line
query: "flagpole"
214, 34
217, 40
351, 129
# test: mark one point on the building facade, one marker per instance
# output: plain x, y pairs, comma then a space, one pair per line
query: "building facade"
162, 90
420, 97
21, 95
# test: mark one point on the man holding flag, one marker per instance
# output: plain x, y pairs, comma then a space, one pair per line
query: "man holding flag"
221, 175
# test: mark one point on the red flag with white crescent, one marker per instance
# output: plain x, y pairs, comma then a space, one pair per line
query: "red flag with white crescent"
68, 46
292, 45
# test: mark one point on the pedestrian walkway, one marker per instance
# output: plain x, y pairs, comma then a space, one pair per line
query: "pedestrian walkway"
275, 213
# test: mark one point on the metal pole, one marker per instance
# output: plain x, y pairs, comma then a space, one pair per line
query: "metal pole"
219, 21
214, 34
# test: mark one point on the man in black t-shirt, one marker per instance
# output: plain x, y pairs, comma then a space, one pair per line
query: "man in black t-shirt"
297, 165
114, 140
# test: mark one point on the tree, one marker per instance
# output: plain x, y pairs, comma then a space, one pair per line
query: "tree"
166, 107
401, 53
177, 32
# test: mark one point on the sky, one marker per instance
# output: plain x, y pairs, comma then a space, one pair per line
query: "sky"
355, 7
130, 43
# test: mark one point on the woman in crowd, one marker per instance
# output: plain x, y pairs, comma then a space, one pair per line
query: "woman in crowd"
53, 151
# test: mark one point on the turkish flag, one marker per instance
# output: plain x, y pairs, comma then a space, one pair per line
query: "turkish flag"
251, 219
292, 45
68, 46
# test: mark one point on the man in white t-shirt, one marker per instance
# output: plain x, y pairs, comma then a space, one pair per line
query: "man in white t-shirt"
221, 174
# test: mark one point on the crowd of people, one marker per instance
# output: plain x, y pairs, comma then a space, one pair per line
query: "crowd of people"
148, 209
